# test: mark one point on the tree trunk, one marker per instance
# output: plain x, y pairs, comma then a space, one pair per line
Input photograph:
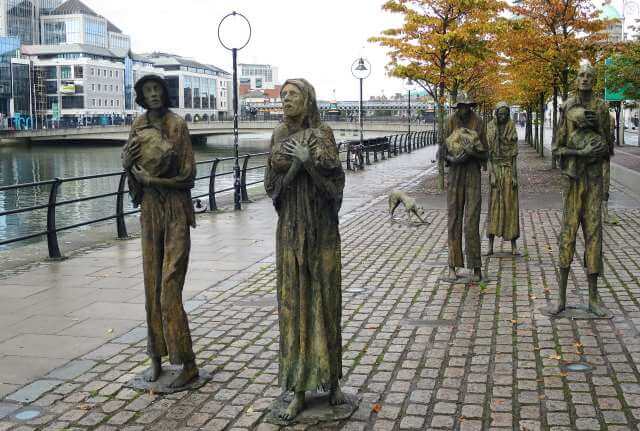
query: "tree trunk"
542, 103
555, 122
528, 126
441, 137
535, 129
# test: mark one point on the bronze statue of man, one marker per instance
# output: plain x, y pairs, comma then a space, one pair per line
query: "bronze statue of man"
582, 145
161, 170
465, 153
504, 205
305, 179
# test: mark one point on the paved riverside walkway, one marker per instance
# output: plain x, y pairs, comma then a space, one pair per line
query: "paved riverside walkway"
422, 354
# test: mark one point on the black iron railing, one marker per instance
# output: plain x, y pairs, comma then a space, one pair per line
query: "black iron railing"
351, 152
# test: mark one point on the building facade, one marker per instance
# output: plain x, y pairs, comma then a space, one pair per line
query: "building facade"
83, 73
258, 76
197, 91
20, 18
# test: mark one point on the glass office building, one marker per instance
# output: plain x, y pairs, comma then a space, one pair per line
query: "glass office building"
21, 20
48, 6
9, 48
62, 30
21, 78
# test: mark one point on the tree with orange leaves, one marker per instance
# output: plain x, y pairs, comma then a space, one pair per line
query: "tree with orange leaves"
435, 36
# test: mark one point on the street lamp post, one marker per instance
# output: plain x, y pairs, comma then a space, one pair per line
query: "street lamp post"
238, 31
361, 69
409, 85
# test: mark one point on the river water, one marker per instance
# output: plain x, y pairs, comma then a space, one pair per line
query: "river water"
27, 164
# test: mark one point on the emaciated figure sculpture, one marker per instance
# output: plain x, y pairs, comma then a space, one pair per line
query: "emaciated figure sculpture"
304, 178
464, 185
504, 206
582, 145
161, 169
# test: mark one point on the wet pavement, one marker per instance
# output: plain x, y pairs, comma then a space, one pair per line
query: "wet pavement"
419, 352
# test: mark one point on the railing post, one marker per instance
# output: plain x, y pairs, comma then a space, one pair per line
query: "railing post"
243, 180
381, 142
375, 149
348, 156
122, 227
388, 144
212, 186
52, 234
408, 142
395, 145
366, 148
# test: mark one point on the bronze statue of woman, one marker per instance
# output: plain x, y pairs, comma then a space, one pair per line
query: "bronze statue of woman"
161, 170
305, 179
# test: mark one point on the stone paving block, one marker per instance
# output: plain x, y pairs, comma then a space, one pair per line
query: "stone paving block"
33, 391
72, 370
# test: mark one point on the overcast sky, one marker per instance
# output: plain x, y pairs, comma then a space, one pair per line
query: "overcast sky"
313, 39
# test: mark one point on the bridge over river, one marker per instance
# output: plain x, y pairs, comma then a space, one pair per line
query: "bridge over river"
199, 130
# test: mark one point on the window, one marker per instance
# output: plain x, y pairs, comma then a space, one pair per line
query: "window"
111, 88
93, 87
111, 102
72, 102
93, 102
188, 97
50, 72
111, 74
99, 87
93, 71
99, 102
117, 88
78, 71
51, 87
117, 73
118, 103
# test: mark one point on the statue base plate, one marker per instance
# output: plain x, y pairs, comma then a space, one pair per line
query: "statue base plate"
162, 385
464, 278
317, 409
574, 312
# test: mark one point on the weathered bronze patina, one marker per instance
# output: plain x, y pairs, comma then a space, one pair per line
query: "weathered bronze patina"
305, 179
504, 206
161, 169
582, 145
464, 198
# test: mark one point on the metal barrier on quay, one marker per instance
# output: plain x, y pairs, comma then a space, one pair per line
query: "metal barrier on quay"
356, 156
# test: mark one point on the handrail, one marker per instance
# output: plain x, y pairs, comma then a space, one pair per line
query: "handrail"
357, 156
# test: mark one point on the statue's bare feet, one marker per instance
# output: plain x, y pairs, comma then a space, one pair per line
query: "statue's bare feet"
452, 274
154, 371
295, 406
477, 275
554, 310
188, 373
514, 249
597, 309
336, 397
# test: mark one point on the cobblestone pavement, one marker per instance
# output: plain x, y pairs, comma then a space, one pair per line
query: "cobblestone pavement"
422, 353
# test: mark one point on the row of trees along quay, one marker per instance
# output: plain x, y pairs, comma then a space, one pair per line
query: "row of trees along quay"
526, 54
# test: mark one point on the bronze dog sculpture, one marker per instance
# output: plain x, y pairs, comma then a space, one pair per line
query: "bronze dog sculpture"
397, 197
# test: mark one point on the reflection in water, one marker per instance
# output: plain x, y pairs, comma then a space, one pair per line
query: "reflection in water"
19, 165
